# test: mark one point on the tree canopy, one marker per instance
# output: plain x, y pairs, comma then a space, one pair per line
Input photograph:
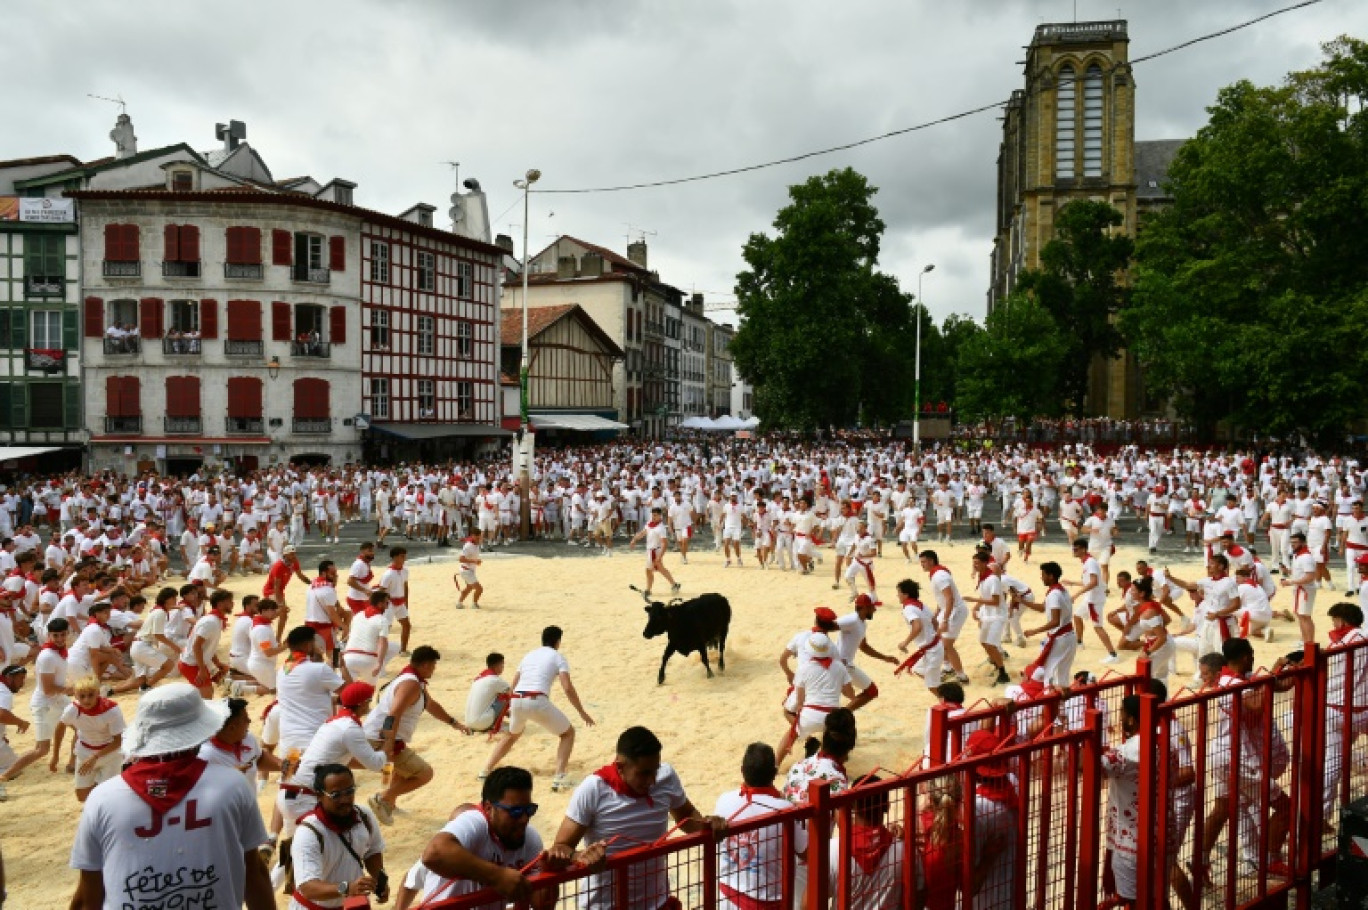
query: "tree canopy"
1013, 367
824, 336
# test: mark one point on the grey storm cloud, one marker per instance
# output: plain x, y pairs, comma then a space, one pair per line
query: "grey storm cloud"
598, 93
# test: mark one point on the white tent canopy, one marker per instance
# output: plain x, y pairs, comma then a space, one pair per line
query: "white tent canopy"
729, 423
697, 423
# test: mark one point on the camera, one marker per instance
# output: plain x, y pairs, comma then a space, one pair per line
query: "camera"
382, 882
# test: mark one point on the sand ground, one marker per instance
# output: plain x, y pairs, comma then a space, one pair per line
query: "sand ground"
705, 724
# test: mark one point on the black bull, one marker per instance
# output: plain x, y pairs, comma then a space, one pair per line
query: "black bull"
690, 625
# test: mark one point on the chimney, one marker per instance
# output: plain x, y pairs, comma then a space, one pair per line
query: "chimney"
125, 143
591, 266
696, 304
505, 243
636, 251
565, 267
232, 134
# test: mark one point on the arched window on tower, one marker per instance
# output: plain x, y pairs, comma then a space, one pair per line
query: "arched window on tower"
1066, 101
1092, 122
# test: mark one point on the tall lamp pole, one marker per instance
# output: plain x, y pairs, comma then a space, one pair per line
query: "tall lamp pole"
524, 423
916, 414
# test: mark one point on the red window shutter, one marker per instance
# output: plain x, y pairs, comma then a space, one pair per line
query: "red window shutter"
337, 254
189, 243
244, 397
132, 397
182, 396
311, 399
113, 242
234, 308
150, 317
208, 318
114, 396
234, 382
233, 243
172, 241
244, 320
282, 244
131, 250
280, 321
94, 317
251, 245
337, 325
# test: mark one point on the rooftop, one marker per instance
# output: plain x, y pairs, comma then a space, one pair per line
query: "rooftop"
1153, 158
539, 319
1080, 32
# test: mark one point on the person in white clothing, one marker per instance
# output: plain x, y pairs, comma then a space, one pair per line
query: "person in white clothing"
531, 701
928, 659
395, 582
1061, 642
818, 685
51, 695
263, 648
98, 726
467, 582
628, 802
654, 532
991, 611
950, 609
368, 641
339, 852
1091, 586
304, 690
489, 697
1302, 578
876, 861
750, 866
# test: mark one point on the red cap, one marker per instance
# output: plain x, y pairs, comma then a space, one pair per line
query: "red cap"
864, 600
824, 614
356, 693
1362, 560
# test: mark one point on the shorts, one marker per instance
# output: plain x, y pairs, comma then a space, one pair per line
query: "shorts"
362, 667
958, 617
803, 546
1192, 525
1094, 613
324, 630
909, 535
293, 805
731, 534
1059, 667
812, 722
398, 610
1026, 537
1303, 601
192, 674
975, 510
931, 665
46, 718
148, 659
238, 663
944, 516
104, 769
263, 671
845, 546
859, 678
990, 632
539, 709
7, 756
468, 576
407, 764
653, 559
1104, 555
270, 728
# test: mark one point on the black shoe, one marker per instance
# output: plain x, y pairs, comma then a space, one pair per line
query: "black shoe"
1002, 678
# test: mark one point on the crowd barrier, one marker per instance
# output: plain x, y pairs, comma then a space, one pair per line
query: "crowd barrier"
1240, 789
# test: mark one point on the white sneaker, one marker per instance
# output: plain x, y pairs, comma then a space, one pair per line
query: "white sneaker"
1110, 659
560, 782
1268, 633
383, 810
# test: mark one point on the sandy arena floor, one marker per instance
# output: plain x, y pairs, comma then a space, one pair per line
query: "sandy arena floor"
704, 724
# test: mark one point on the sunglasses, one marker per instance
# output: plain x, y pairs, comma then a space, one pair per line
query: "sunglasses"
527, 810
338, 794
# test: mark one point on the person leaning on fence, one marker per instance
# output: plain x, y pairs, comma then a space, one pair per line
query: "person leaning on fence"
875, 855
996, 809
1249, 767
750, 866
1345, 706
627, 803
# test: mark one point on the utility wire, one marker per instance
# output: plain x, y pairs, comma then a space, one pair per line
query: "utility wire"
909, 129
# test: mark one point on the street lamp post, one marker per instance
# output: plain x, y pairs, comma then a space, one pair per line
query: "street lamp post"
524, 423
916, 385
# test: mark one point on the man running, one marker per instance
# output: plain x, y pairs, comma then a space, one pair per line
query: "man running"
654, 532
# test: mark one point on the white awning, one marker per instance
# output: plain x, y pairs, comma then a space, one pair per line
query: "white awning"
10, 453
583, 422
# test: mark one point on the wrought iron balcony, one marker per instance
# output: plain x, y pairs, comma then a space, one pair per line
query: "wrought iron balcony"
249, 270
182, 346
183, 424
313, 276
233, 347
312, 426
45, 360
321, 349
242, 426
131, 344
180, 269
42, 286
124, 426
115, 269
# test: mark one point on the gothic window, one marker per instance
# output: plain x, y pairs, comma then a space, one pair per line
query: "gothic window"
1092, 122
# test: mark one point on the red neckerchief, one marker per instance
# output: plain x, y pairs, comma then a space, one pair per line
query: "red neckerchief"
101, 706
321, 582
750, 793
260, 621
868, 844
344, 711
163, 784
371, 611
840, 765
396, 568
102, 625
235, 748
823, 662
1236, 550
937, 568
611, 776
1033, 687
1057, 587
652, 524
49, 646
486, 672
331, 824
295, 659
1338, 635
223, 620
1252, 582
1301, 551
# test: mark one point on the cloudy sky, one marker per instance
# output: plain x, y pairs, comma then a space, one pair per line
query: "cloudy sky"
606, 92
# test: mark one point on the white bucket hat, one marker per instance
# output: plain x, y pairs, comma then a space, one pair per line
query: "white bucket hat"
819, 644
171, 719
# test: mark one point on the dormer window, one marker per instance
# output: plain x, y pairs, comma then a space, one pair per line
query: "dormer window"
182, 180
343, 195
425, 218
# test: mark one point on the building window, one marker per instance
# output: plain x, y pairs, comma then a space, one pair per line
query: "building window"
465, 280
427, 399
47, 330
379, 262
465, 400
185, 316
427, 271
123, 313
465, 339
1092, 122
427, 334
309, 321
182, 181
46, 405
309, 261
379, 397
1066, 99
380, 329
44, 265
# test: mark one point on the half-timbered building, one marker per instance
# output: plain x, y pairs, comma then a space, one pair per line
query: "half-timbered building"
571, 362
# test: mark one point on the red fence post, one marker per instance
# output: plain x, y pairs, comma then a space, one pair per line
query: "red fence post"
710, 871
935, 749
1310, 718
819, 835
1151, 874
1091, 810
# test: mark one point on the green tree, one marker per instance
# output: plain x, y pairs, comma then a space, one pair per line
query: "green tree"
823, 335
940, 370
1081, 283
1252, 288
1014, 366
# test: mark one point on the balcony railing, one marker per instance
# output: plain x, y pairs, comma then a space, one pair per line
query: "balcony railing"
235, 348
124, 426
131, 344
313, 426
314, 276
45, 360
44, 286
240, 426
183, 424
113, 269
182, 346
251, 270
180, 269
320, 349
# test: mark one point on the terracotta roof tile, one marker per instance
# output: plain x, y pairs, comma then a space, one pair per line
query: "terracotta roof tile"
539, 319
42, 159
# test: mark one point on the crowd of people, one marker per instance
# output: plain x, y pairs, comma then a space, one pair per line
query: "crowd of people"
85, 608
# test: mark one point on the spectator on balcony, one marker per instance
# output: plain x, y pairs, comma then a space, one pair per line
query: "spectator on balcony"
750, 867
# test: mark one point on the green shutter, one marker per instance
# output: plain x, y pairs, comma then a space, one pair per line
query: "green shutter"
18, 406
71, 335
18, 328
4, 405
73, 406
54, 259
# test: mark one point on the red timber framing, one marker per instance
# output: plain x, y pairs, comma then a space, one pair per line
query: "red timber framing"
1029, 827
465, 291
570, 357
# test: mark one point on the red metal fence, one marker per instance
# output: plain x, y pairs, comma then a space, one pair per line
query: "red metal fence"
1238, 799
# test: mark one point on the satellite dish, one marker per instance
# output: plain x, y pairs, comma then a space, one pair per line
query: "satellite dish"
456, 213
455, 198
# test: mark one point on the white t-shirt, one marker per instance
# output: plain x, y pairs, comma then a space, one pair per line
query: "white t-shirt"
941, 580
97, 730
51, 661
821, 685
366, 632
208, 627
186, 864
471, 830
244, 758
627, 821
92, 636
317, 601
395, 581
338, 741
752, 863
319, 855
305, 695
1092, 572
540, 669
